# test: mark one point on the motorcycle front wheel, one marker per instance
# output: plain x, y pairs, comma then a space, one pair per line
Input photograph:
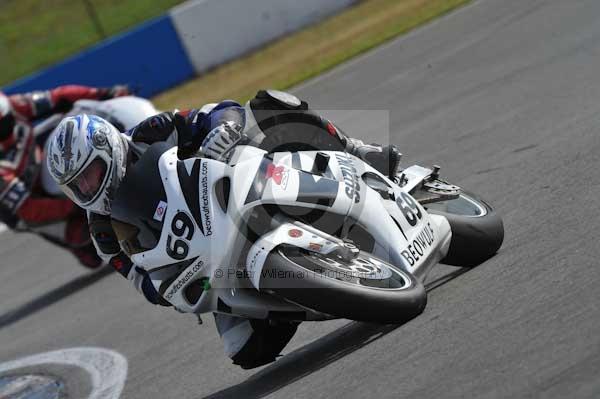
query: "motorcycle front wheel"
477, 230
363, 288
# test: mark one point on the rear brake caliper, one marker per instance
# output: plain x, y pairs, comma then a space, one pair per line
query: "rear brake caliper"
433, 189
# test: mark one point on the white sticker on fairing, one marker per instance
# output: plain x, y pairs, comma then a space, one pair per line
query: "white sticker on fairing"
161, 209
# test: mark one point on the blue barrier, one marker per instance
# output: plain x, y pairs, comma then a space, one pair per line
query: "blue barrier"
150, 58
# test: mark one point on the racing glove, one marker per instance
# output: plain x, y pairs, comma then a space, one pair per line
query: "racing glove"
220, 141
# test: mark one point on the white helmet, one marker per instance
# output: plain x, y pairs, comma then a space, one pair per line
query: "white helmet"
87, 157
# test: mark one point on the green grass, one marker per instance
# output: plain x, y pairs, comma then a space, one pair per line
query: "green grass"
307, 53
36, 33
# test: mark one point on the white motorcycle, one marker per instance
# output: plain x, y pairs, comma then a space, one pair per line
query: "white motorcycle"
295, 236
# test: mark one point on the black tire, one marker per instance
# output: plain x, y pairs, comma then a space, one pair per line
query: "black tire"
477, 231
325, 288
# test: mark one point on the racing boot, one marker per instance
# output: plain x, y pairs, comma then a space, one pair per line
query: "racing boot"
385, 159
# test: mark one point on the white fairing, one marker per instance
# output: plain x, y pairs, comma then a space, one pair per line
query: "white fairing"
127, 110
414, 247
213, 237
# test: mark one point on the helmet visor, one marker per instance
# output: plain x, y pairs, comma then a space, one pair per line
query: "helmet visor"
87, 184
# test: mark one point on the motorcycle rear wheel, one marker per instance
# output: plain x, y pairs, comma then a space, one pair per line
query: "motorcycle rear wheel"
477, 230
364, 288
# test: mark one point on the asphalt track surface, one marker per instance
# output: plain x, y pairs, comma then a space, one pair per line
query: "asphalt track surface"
505, 95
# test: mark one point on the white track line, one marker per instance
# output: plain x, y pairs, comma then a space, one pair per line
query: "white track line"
107, 368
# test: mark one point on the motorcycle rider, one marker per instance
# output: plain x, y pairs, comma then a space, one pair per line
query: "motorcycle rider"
88, 158
25, 204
